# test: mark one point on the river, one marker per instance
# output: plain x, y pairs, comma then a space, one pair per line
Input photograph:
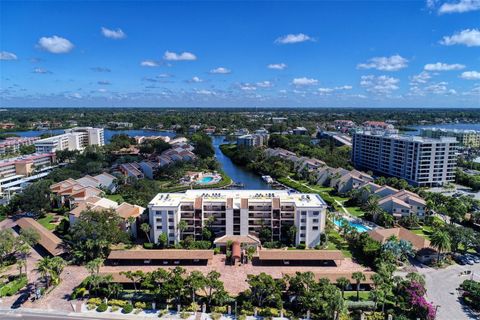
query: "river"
237, 173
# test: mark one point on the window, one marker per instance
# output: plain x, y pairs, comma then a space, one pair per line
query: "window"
316, 213
302, 228
315, 220
304, 213
170, 212
315, 228
303, 220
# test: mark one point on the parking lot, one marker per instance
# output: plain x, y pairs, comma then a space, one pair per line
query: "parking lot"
442, 290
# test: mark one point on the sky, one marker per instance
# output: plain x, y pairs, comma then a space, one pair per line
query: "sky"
388, 54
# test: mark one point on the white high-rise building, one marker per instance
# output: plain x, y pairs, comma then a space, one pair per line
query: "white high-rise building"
420, 161
73, 139
238, 212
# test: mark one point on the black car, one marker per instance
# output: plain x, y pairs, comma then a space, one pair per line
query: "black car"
21, 300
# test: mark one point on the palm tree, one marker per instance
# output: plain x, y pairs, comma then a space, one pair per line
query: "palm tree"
441, 241
372, 207
94, 265
44, 268
358, 277
343, 283
134, 276
146, 228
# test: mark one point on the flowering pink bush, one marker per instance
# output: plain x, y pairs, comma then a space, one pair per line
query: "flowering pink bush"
416, 294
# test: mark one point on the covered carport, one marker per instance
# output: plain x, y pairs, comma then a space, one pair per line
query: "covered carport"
167, 257
300, 257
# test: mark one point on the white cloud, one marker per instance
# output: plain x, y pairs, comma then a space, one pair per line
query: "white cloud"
248, 87
470, 75
41, 71
468, 37
293, 38
304, 81
343, 88
325, 90
194, 79
5, 55
379, 84
264, 84
206, 92
184, 56
220, 70
104, 82
277, 66
149, 63
439, 88
439, 66
101, 69
393, 63
75, 95
55, 44
460, 6
422, 77
113, 34
102, 90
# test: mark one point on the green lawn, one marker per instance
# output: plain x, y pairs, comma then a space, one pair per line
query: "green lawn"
425, 232
355, 211
352, 295
47, 221
336, 242
115, 197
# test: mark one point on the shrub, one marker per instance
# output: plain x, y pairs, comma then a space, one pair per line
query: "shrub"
246, 312
242, 317
137, 311
360, 305
79, 292
216, 250
94, 301
13, 287
91, 306
301, 246
117, 303
269, 312
114, 308
222, 309
127, 308
102, 307
184, 315
140, 305
215, 316
147, 245
162, 313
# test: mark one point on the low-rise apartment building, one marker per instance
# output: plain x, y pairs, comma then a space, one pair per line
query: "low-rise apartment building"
465, 138
420, 161
25, 165
73, 139
13, 144
238, 212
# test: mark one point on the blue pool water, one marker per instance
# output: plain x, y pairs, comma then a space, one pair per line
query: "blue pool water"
205, 180
360, 227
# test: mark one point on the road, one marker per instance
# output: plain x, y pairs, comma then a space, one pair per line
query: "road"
441, 290
45, 315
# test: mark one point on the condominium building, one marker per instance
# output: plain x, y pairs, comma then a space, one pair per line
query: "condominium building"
238, 212
253, 140
419, 160
73, 139
25, 165
465, 138
13, 144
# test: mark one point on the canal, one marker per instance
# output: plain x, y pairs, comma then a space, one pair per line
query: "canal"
238, 174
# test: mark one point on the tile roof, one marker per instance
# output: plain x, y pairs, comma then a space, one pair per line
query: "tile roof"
167, 254
48, 240
382, 235
300, 255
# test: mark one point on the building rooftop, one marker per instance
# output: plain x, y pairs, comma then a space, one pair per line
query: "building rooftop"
47, 240
300, 199
394, 135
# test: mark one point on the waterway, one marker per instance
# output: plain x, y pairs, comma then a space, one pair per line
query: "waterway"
237, 173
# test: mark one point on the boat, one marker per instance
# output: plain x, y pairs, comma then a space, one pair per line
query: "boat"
268, 179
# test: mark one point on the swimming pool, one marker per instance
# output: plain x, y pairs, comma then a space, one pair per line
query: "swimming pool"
205, 180
357, 225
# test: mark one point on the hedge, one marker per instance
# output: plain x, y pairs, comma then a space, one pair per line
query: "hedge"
13, 287
360, 305
127, 309
102, 307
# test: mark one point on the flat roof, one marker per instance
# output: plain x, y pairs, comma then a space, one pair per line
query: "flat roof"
48, 240
221, 196
166, 254
300, 255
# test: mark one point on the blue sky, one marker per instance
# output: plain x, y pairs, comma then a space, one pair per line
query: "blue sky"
240, 54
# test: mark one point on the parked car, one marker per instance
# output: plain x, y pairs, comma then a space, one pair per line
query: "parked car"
460, 260
473, 257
